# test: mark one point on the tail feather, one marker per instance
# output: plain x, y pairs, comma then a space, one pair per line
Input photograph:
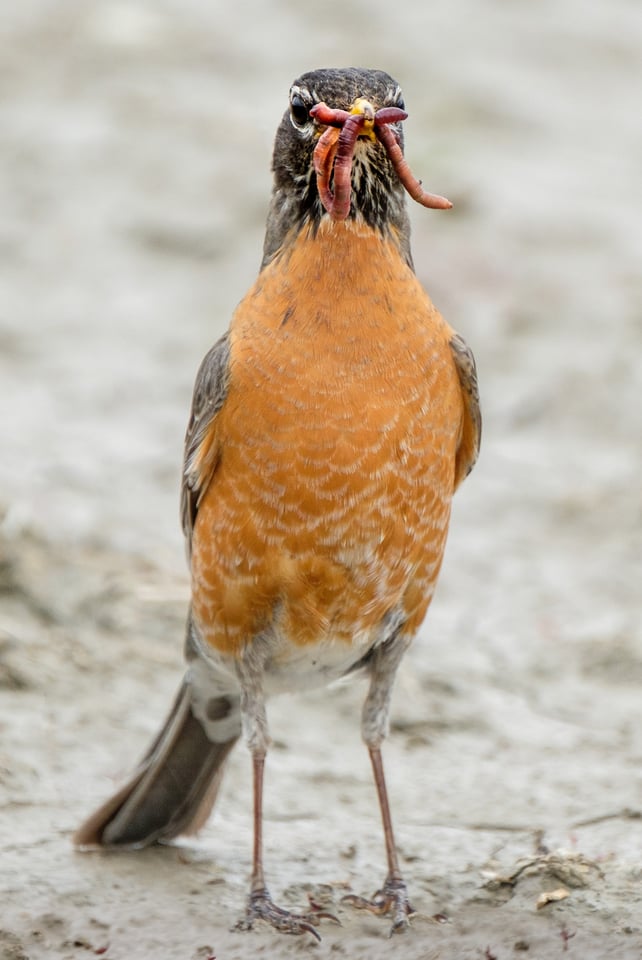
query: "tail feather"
174, 788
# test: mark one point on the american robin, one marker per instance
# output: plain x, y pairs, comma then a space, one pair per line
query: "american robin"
329, 429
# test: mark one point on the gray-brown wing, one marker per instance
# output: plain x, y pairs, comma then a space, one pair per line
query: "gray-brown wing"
468, 449
201, 449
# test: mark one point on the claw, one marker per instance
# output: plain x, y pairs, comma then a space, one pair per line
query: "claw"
392, 898
318, 913
261, 907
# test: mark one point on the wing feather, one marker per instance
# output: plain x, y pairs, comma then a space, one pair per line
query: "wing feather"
469, 443
201, 450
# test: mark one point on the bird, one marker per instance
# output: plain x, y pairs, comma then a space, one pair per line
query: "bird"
330, 427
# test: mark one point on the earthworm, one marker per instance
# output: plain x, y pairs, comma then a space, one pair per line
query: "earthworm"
329, 115
343, 166
324, 154
403, 171
335, 149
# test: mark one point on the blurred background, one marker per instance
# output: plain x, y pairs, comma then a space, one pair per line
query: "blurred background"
135, 143
135, 149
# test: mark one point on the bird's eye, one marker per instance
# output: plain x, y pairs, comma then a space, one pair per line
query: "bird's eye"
299, 111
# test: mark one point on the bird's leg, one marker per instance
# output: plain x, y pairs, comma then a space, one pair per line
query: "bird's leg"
393, 895
258, 877
260, 905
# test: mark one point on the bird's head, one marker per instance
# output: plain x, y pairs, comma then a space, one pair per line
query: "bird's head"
338, 154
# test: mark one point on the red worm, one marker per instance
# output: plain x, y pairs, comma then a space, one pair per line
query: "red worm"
335, 149
343, 166
329, 115
324, 154
390, 115
403, 171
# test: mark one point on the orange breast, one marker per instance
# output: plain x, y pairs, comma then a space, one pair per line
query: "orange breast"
336, 447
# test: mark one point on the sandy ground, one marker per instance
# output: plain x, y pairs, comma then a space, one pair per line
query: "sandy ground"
134, 143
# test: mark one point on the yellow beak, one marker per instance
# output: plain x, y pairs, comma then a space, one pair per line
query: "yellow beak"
363, 107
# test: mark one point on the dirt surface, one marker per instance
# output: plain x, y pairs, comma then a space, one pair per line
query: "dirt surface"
135, 143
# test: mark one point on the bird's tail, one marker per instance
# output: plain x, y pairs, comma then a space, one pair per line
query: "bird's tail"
174, 787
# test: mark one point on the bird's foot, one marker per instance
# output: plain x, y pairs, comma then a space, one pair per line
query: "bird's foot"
260, 906
392, 898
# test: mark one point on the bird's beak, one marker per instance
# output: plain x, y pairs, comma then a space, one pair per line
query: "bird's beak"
363, 108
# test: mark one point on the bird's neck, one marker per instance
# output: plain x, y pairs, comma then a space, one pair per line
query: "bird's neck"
342, 245
294, 211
